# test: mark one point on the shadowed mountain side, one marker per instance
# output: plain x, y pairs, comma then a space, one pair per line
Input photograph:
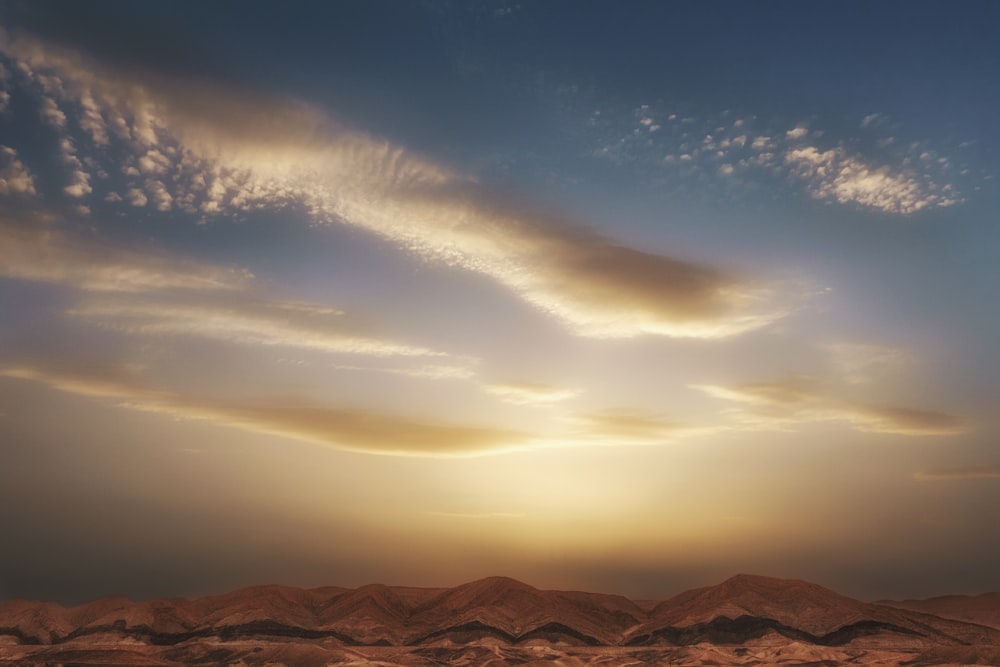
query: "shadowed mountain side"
516, 610
982, 609
497, 611
747, 607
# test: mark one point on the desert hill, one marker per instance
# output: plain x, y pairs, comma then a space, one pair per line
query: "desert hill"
982, 609
747, 618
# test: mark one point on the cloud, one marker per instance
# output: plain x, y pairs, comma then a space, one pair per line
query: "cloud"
529, 393
348, 429
52, 113
796, 133
870, 119
14, 176
150, 294
137, 197
783, 405
714, 153
477, 515
458, 371
630, 426
833, 174
232, 151
35, 250
860, 363
902, 421
969, 472
595, 285
762, 393
243, 319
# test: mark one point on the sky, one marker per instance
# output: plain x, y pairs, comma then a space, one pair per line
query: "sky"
620, 297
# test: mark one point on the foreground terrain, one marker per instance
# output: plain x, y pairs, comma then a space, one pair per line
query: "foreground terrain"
745, 620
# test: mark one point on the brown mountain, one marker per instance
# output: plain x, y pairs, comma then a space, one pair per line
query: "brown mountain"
746, 607
982, 609
495, 619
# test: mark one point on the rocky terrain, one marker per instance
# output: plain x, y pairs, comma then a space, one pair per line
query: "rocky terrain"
746, 620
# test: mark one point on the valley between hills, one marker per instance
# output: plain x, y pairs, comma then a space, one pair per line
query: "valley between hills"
745, 620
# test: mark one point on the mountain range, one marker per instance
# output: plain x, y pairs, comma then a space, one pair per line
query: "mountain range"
743, 620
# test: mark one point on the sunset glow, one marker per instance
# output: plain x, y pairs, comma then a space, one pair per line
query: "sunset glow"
621, 297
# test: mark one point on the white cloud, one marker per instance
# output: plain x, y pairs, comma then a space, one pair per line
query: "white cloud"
238, 151
137, 197
154, 162
14, 176
52, 113
835, 175
79, 184
161, 197
796, 133
92, 122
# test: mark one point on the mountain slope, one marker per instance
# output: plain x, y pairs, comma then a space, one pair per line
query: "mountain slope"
747, 607
497, 611
982, 609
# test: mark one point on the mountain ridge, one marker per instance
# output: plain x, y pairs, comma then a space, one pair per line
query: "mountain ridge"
496, 613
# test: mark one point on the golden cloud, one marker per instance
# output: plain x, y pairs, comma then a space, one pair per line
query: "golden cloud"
243, 319
989, 471
348, 429
233, 150
530, 393
782, 405
631, 426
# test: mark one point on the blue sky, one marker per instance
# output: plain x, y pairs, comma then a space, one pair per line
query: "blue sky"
610, 296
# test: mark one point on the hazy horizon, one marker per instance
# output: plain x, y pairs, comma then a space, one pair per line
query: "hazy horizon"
624, 298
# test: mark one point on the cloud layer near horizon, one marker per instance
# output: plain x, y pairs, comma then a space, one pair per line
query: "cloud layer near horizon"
781, 405
987, 471
208, 149
347, 429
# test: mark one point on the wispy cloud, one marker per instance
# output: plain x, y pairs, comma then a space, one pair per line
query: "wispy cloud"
969, 472
783, 405
860, 363
243, 319
232, 151
530, 393
632, 426
348, 429
462, 369
150, 294
34, 249
477, 515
